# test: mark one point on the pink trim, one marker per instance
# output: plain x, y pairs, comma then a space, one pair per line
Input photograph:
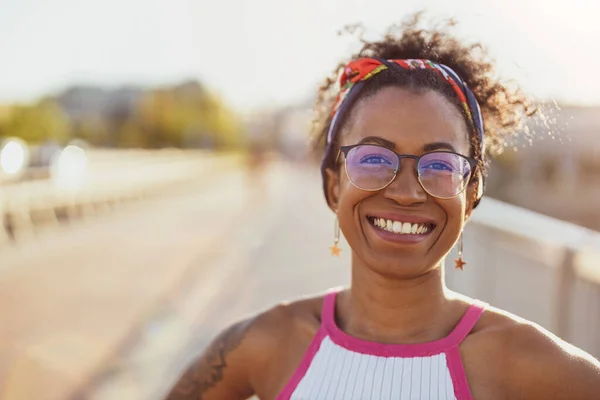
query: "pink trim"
327, 309
468, 321
352, 343
293, 383
457, 373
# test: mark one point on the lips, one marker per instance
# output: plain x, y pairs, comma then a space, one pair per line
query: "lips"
401, 228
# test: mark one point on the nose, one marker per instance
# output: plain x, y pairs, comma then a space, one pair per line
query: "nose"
405, 189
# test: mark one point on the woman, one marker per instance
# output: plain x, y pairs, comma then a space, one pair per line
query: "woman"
403, 168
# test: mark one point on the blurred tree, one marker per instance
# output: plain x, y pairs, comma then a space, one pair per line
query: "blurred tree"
183, 116
36, 123
222, 124
92, 131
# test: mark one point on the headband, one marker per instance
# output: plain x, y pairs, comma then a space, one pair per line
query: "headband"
358, 71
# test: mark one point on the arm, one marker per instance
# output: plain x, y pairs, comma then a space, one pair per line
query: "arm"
549, 368
236, 363
221, 371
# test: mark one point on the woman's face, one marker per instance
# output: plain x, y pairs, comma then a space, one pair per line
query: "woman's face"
410, 123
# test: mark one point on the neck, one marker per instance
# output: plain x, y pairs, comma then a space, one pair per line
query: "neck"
382, 309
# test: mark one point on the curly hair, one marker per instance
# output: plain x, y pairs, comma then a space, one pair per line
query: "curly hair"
504, 108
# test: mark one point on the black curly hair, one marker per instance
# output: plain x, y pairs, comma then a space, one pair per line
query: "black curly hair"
504, 108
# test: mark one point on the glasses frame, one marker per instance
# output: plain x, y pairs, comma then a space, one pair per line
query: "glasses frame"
346, 149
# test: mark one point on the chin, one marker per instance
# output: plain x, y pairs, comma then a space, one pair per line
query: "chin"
396, 266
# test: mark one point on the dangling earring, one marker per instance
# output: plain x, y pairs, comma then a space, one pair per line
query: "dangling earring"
459, 261
335, 250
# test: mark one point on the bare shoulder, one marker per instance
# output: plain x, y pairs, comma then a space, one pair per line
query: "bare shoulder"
234, 362
527, 361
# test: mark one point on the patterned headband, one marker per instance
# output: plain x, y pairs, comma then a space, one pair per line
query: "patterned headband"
360, 70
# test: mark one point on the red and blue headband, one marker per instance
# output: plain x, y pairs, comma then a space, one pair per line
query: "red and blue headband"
358, 71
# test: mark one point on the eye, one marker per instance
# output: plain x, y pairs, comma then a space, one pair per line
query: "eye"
439, 165
374, 159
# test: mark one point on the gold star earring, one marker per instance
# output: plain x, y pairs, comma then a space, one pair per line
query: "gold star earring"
335, 250
459, 261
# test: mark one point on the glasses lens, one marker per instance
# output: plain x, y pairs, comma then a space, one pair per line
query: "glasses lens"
371, 167
444, 174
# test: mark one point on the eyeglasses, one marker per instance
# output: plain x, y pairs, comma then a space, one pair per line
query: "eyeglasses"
442, 174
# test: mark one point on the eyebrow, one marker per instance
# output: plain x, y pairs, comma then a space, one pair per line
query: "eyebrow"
426, 148
378, 140
437, 146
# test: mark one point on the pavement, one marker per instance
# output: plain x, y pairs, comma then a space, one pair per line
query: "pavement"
117, 306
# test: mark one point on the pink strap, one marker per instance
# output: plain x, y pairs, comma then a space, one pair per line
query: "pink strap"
294, 381
327, 316
328, 308
462, 390
458, 334
467, 322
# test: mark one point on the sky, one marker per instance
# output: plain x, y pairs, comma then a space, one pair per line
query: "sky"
259, 53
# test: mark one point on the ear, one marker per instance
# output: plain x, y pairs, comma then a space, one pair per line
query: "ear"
332, 188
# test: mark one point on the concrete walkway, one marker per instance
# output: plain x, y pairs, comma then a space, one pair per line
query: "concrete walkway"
71, 298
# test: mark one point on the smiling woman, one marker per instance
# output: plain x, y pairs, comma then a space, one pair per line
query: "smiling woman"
408, 125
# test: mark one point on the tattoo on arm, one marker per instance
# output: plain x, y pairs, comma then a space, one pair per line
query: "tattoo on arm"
208, 371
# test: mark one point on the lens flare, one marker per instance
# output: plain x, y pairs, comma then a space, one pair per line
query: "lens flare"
68, 169
14, 156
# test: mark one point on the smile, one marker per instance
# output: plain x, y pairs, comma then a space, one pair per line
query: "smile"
400, 227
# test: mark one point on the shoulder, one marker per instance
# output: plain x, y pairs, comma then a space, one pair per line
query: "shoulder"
272, 334
530, 362
236, 361
275, 327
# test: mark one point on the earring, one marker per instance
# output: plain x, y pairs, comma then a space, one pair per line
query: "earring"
335, 250
459, 261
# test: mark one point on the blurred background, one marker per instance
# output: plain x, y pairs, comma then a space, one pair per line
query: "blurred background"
156, 182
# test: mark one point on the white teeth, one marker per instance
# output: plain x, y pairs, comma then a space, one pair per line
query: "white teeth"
400, 227
406, 227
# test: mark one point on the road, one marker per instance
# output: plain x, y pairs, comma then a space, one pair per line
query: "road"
115, 307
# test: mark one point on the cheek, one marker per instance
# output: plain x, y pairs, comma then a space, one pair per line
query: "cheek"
349, 194
348, 211
455, 210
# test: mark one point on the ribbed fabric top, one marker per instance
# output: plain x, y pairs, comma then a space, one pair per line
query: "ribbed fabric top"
339, 366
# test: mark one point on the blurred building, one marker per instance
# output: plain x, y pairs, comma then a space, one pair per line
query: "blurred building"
294, 125
95, 111
261, 128
286, 130
81, 102
558, 173
181, 115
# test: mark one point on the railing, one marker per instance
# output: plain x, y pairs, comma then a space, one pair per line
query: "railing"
538, 267
111, 177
